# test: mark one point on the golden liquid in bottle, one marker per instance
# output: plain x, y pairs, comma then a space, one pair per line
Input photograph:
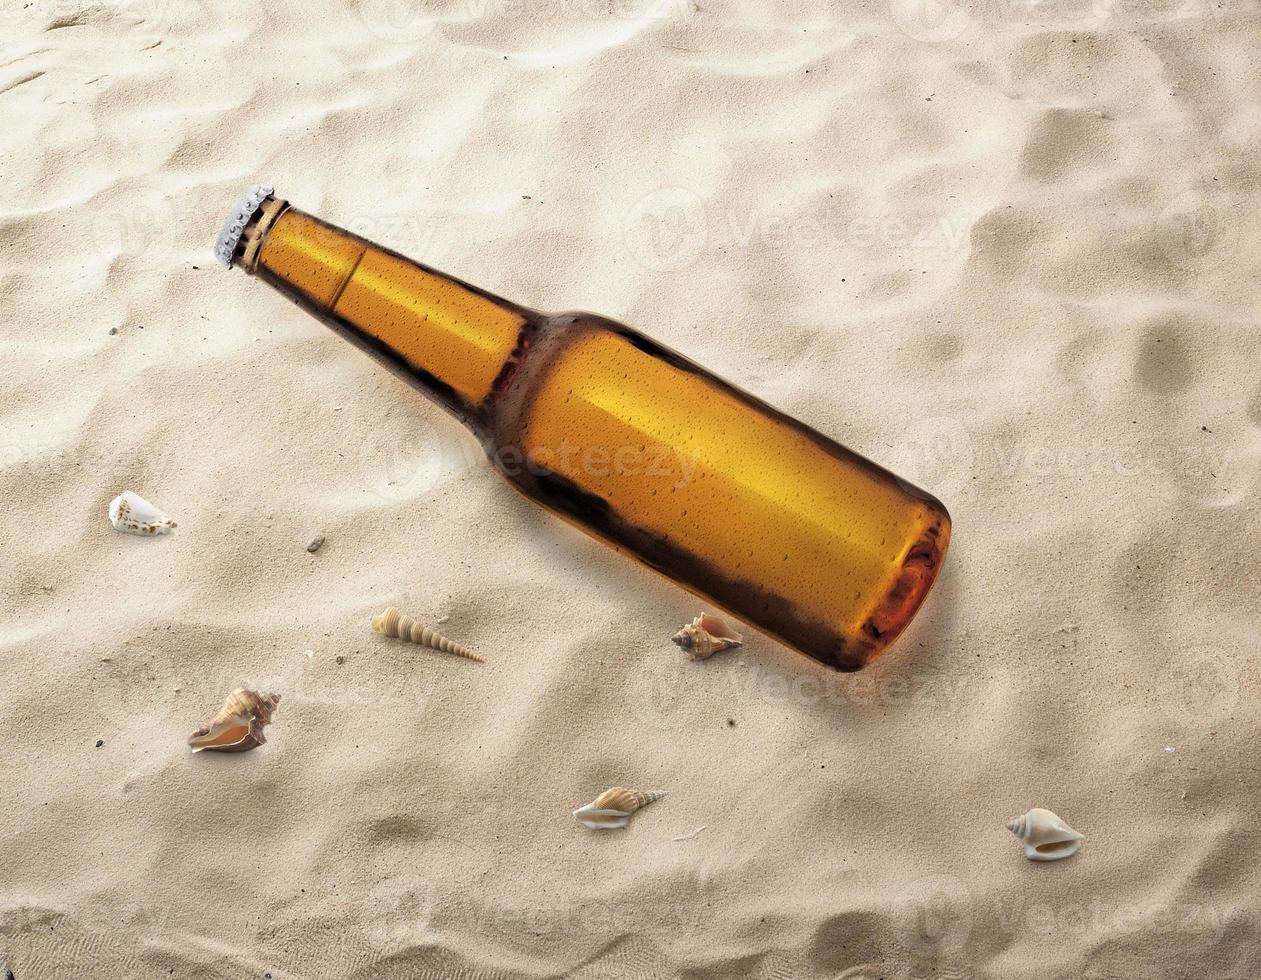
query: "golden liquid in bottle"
635, 444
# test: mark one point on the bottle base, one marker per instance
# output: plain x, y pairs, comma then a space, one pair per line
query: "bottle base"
898, 607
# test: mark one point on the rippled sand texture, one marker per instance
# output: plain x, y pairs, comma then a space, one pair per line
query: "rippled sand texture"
1009, 251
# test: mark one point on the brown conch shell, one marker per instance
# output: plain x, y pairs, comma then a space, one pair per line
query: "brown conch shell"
706, 635
394, 623
612, 808
238, 726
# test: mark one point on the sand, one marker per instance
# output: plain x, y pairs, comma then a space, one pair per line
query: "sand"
1008, 251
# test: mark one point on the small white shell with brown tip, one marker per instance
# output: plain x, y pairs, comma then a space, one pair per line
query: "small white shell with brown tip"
706, 635
131, 513
612, 809
394, 623
1046, 837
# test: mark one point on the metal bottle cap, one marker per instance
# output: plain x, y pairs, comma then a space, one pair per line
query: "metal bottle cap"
230, 235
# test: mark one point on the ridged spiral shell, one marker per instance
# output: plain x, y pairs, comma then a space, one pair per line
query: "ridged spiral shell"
612, 809
394, 623
238, 725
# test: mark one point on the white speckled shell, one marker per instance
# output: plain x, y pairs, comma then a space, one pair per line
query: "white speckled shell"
1046, 837
132, 513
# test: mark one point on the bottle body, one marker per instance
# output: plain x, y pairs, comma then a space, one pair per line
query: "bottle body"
635, 444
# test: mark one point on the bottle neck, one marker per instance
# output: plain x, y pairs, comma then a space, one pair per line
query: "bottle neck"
458, 343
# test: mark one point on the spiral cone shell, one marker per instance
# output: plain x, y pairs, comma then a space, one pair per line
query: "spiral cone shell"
238, 725
1046, 837
394, 623
612, 808
706, 635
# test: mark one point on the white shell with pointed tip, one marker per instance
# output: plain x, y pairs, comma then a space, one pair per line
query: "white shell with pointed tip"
595, 818
612, 809
130, 512
1046, 837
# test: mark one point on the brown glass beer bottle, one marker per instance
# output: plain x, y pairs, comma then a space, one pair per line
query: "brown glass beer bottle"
628, 440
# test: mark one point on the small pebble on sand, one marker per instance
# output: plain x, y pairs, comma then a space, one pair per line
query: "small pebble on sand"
100, 742
316, 543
